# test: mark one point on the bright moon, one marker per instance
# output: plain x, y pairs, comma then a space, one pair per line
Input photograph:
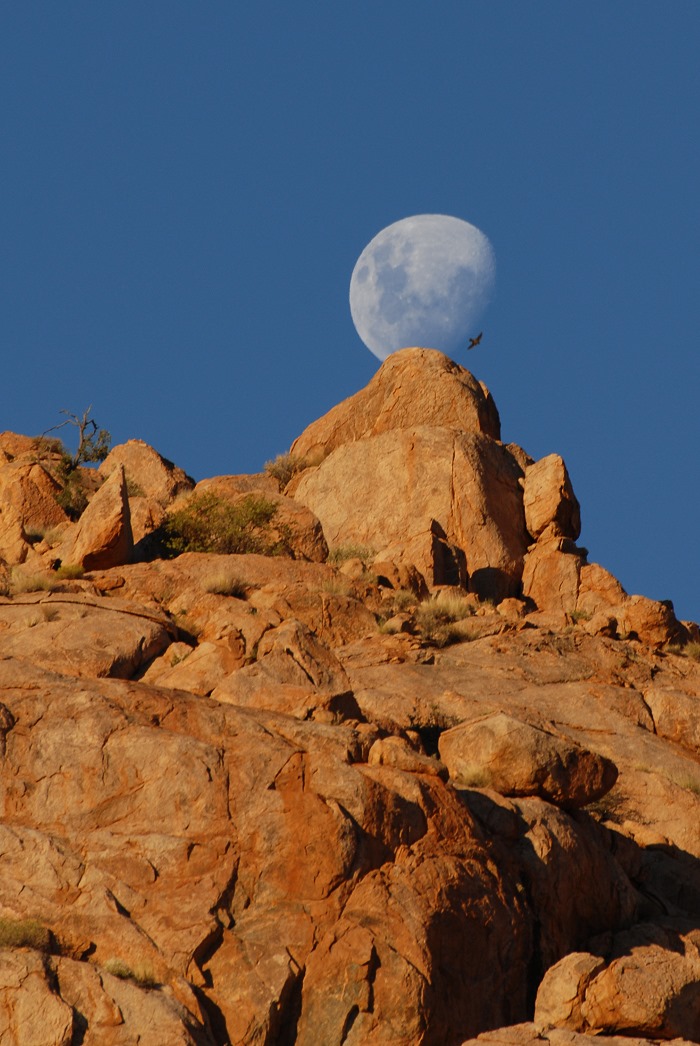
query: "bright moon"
422, 281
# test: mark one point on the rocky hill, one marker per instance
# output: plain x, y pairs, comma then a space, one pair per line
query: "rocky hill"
361, 750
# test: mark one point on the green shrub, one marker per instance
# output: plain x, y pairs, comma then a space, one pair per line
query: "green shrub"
210, 523
25, 933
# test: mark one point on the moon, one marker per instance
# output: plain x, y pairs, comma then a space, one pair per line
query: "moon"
425, 280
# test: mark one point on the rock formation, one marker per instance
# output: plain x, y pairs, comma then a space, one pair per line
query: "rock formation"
423, 776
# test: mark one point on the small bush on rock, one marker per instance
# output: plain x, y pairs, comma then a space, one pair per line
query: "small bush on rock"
142, 975
342, 553
437, 615
283, 467
25, 933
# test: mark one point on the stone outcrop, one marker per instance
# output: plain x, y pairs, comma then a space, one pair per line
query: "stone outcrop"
550, 504
147, 473
427, 496
413, 387
282, 799
102, 537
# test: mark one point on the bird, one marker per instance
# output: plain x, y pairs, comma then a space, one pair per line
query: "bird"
473, 342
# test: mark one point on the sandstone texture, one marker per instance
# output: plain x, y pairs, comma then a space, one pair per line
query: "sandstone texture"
424, 776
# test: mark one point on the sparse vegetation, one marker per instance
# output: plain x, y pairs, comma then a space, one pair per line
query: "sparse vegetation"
579, 615
284, 467
403, 599
92, 447
49, 613
226, 584
342, 553
691, 650
70, 572
436, 618
210, 523
336, 586
134, 489
93, 442
25, 933
141, 974
22, 583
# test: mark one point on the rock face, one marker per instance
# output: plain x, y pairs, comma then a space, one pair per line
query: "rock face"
430, 496
279, 799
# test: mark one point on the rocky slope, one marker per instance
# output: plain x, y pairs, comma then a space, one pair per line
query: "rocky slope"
440, 783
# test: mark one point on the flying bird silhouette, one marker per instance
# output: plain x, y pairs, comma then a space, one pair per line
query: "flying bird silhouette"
473, 342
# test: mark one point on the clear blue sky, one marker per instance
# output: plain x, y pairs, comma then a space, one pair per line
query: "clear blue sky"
186, 188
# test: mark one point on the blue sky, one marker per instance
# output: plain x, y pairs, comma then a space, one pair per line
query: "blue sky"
186, 188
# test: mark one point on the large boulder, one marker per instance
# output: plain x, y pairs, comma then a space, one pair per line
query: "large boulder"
148, 474
412, 387
103, 537
515, 758
649, 984
418, 494
549, 500
551, 573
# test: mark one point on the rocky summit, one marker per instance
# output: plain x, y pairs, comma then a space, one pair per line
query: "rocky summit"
359, 750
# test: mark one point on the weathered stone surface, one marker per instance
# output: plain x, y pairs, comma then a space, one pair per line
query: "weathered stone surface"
563, 989
651, 986
408, 489
412, 387
31, 491
31, 1013
147, 472
84, 635
103, 536
676, 715
649, 620
515, 758
598, 589
549, 500
551, 575
646, 984
293, 673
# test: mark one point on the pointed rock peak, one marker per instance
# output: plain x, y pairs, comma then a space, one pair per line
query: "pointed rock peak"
412, 387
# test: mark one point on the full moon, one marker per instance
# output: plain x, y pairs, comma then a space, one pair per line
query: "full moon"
425, 281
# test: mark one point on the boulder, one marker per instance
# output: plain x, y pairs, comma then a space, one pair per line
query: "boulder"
563, 989
420, 494
598, 590
514, 758
647, 985
31, 491
103, 536
551, 572
148, 474
412, 387
549, 500
649, 620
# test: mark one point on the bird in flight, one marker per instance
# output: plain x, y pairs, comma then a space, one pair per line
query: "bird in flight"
473, 342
